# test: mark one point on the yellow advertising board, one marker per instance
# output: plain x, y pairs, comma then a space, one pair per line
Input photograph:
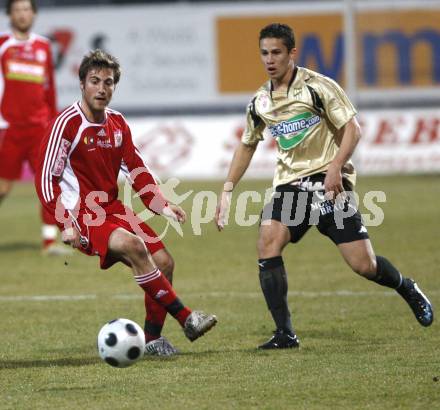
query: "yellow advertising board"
395, 48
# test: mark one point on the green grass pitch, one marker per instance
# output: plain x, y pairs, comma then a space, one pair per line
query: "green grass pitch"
361, 347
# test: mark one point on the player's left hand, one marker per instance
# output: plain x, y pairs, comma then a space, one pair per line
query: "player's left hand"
333, 183
174, 212
222, 210
71, 237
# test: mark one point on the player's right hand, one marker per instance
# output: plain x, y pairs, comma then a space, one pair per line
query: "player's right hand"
175, 212
222, 210
71, 237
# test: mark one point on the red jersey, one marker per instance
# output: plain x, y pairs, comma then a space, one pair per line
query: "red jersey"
79, 163
27, 92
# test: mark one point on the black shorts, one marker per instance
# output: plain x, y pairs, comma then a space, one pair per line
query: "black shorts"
299, 210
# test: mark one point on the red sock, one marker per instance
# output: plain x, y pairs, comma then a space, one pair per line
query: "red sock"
47, 242
155, 318
159, 289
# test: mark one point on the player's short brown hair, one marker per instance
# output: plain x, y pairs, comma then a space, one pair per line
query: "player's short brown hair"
9, 4
282, 31
99, 59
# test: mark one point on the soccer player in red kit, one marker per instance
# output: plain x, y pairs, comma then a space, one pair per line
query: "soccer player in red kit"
27, 102
81, 155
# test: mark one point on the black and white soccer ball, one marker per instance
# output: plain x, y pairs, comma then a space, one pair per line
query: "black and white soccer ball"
121, 342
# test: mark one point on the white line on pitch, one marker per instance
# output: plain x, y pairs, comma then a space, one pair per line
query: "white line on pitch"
45, 298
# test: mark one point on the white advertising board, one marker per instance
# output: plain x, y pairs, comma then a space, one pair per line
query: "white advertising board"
164, 52
194, 147
399, 142
202, 147
206, 55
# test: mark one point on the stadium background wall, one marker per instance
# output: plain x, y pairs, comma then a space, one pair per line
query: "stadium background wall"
187, 55
199, 59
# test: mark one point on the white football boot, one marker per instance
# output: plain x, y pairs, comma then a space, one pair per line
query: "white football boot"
197, 324
160, 347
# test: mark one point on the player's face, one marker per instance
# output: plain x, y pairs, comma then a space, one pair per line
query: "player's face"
22, 15
275, 57
97, 89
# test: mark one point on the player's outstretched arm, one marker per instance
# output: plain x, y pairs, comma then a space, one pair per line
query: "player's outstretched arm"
239, 164
174, 212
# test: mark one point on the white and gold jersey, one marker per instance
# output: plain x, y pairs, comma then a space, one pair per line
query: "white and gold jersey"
306, 122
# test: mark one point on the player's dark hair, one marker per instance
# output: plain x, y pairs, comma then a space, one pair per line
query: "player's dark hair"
9, 4
98, 59
282, 31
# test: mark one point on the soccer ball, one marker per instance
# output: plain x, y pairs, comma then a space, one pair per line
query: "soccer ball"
121, 342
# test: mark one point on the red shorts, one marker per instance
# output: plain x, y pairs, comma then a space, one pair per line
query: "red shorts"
99, 236
17, 145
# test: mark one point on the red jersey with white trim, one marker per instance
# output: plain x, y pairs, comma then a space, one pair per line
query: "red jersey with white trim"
27, 92
79, 163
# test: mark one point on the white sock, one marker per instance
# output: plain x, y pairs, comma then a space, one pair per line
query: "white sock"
49, 232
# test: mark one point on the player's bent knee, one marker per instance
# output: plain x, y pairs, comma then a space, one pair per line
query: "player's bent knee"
272, 239
138, 247
134, 248
168, 268
166, 265
365, 268
268, 246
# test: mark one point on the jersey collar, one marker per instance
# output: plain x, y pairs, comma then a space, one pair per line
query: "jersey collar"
83, 115
292, 79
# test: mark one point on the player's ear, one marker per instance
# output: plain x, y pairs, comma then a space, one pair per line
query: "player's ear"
293, 52
81, 85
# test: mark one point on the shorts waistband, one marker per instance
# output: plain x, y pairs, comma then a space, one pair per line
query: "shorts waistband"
313, 182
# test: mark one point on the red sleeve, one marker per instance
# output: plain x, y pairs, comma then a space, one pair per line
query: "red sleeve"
50, 86
54, 151
140, 175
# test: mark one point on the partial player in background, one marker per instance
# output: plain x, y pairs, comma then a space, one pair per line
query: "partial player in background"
27, 104
315, 126
81, 155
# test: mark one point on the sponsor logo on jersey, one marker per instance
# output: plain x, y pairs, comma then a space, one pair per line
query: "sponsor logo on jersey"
293, 131
263, 103
17, 70
104, 143
41, 56
60, 160
118, 138
89, 140
101, 133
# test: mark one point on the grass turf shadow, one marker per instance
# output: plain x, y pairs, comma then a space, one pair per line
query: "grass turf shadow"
63, 362
19, 246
